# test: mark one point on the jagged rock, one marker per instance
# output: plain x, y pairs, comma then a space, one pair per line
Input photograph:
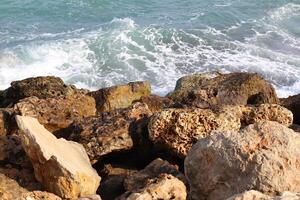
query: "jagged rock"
7, 123
228, 89
57, 113
9, 188
62, 166
178, 129
155, 102
264, 156
165, 186
293, 104
188, 83
41, 87
113, 131
121, 96
255, 195
153, 170
39, 195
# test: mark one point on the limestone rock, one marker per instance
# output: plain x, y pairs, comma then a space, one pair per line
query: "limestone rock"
39, 195
10, 189
178, 129
293, 104
165, 186
153, 170
113, 131
264, 156
121, 96
7, 123
229, 89
41, 87
57, 113
255, 195
62, 166
155, 102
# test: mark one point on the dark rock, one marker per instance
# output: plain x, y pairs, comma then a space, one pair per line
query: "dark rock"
155, 102
293, 104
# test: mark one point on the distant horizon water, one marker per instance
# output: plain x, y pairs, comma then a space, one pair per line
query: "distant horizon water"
100, 43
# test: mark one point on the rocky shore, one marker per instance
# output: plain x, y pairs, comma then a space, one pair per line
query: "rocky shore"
215, 137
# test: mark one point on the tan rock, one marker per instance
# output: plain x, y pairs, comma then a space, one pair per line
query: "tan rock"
264, 156
153, 170
113, 131
121, 96
38, 195
7, 123
178, 129
40, 87
10, 189
57, 113
165, 186
62, 166
155, 102
226, 89
255, 195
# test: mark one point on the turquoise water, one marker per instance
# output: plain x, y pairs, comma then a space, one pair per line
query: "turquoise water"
98, 43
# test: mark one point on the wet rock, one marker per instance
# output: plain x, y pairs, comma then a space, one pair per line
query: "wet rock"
155, 102
255, 195
229, 89
62, 166
121, 96
57, 113
165, 186
153, 170
40, 87
264, 156
114, 131
39, 195
293, 104
178, 129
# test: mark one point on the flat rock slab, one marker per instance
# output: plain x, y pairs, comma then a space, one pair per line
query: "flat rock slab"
62, 166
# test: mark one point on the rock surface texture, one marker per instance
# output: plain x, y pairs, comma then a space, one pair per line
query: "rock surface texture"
293, 104
264, 156
255, 195
121, 96
164, 187
57, 113
62, 166
224, 89
113, 131
178, 129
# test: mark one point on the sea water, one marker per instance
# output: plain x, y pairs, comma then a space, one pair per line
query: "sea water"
99, 43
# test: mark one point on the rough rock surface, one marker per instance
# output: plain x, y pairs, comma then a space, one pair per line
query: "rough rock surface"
264, 156
255, 195
228, 89
178, 129
153, 170
57, 113
41, 87
155, 102
7, 125
165, 186
9, 188
113, 131
293, 104
62, 166
121, 96
39, 195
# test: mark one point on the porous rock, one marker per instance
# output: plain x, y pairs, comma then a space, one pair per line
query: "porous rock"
153, 170
113, 131
41, 87
156, 103
9, 188
62, 166
263, 156
38, 195
120, 96
165, 186
255, 195
57, 113
178, 129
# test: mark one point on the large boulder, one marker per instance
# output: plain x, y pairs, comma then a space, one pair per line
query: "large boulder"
293, 104
57, 113
62, 166
255, 195
264, 156
178, 129
227, 89
153, 170
121, 96
113, 131
165, 186
41, 87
